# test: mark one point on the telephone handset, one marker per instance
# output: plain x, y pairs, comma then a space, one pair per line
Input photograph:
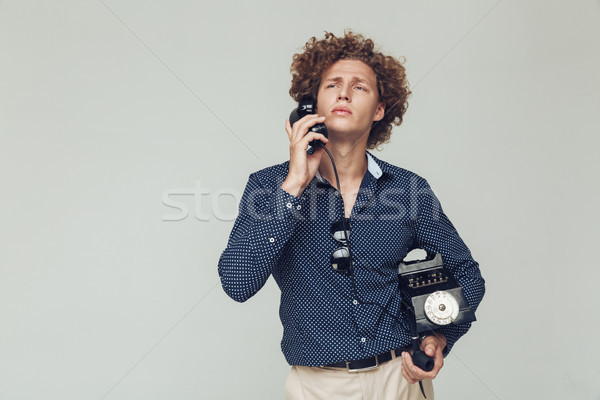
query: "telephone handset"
307, 106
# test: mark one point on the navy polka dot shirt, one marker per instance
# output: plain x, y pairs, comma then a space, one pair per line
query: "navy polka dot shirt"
289, 237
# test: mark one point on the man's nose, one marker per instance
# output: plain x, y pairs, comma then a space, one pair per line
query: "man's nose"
343, 95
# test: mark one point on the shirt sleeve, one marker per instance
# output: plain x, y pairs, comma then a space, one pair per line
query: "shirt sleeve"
436, 234
267, 219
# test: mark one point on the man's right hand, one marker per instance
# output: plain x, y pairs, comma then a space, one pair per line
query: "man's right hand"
303, 166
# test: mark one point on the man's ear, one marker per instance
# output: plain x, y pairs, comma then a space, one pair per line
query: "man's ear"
379, 112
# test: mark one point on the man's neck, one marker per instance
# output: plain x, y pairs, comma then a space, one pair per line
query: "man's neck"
350, 161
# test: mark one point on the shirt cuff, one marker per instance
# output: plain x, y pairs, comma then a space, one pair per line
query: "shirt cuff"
453, 333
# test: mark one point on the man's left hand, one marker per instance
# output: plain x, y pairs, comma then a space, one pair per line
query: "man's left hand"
432, 346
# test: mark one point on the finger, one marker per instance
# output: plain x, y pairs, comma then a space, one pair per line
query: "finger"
409, 366
309, 137
305, 123
407, 377
288, 128
407, 373
407, 359
302, 127
430, 350
309, 117
434, 350
436, 339
417, 373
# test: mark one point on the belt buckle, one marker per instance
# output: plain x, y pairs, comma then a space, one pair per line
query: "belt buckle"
363, 369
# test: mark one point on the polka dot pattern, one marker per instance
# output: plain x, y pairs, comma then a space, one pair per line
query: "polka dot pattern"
288, 237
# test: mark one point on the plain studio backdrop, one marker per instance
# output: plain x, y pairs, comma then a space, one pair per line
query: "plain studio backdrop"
128, 131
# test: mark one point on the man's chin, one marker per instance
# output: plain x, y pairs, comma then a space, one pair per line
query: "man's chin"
347, 136
342, 128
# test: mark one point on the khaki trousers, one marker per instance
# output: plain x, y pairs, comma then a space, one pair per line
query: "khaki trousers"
383, 383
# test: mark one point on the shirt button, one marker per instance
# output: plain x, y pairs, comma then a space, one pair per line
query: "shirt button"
363, 340
298, 207
271, 240
355, 302
289, 205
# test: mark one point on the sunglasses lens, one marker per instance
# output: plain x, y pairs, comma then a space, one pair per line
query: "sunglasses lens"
341, 236
340, 230
341, 254
340, 259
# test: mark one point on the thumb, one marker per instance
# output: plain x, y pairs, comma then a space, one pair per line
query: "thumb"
430, 350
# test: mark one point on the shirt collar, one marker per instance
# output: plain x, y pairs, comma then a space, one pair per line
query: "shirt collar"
372, 166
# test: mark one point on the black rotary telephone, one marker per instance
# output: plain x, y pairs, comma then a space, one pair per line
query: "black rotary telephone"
435, 299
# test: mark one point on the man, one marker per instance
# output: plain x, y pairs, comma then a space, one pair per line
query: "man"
345, 332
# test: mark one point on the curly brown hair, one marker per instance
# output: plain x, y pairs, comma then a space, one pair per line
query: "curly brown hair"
318, 55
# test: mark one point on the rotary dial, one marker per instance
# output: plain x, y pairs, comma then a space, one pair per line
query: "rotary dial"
441, 308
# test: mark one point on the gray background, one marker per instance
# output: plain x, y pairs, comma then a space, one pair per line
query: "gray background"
110, 111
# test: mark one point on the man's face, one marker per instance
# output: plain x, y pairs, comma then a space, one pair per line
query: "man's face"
349, 99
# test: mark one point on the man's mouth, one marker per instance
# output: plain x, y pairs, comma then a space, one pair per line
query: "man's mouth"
341, 111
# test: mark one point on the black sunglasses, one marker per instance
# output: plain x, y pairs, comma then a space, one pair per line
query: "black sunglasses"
341, 259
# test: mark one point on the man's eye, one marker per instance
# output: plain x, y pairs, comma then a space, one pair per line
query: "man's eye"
331, 85
361, 88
